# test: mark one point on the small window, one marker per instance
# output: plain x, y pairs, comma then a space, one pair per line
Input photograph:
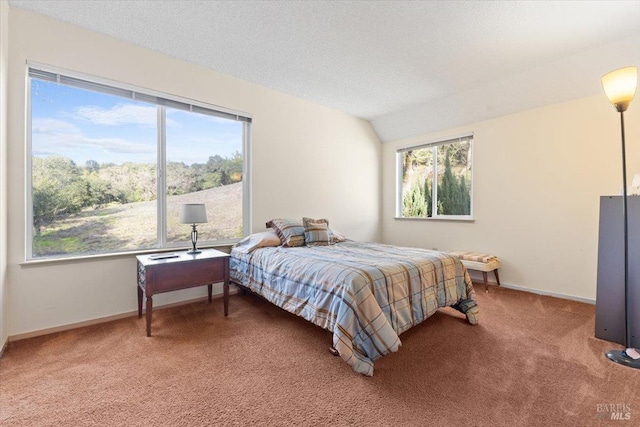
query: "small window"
435, 180
110, 167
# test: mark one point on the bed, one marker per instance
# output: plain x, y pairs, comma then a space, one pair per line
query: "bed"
366, 294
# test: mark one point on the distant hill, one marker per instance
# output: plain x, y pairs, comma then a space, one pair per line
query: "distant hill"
133, 226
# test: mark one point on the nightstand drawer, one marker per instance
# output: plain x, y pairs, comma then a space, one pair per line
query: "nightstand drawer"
170, 277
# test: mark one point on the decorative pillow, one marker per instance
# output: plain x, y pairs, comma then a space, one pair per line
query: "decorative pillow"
316, 232
264, 239
290, 231
326, 221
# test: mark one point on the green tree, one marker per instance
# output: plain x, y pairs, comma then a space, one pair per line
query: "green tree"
57, 188
196, 177
178, 178
407, 161
215, 174
448, 198
457, 198
428, 197
91, 166
466, 197
99, 192
131, 182
211, 180
459, 153
235, 165
223, 171
453, 195
414, 204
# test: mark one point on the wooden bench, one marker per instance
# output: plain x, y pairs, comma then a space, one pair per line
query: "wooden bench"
480, 262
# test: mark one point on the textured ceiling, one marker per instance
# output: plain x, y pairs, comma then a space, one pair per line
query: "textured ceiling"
408, 67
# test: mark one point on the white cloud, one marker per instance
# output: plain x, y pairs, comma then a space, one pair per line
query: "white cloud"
120, 114
53, 126
115, 145
53, 136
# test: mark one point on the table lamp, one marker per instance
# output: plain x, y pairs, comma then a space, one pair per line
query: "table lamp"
193, 213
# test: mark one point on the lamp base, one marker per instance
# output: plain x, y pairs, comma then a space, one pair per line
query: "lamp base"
194, 240
620, 356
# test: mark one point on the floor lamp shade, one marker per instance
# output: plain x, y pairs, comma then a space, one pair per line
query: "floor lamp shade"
620, 88
193, 213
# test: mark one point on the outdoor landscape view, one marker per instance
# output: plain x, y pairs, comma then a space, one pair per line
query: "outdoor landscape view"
451, 163
95, 174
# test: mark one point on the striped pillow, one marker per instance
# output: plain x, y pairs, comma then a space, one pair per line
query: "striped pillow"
290, 231
316, 232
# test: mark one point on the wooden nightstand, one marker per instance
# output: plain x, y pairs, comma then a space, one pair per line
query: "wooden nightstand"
181, 271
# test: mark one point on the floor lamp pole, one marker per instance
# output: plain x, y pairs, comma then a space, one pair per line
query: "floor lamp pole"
625, 215
620, 356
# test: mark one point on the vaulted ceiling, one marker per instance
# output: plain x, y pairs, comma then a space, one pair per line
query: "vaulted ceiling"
409, 67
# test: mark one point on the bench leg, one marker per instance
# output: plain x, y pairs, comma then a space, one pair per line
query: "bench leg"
497, 277
486, 285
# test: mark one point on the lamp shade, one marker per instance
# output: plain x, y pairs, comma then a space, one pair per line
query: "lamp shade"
620, 86
193, 213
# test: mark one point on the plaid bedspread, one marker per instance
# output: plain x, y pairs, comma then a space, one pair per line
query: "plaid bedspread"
367, 294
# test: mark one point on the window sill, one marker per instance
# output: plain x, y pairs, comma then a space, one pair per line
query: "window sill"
454, 219
226, 247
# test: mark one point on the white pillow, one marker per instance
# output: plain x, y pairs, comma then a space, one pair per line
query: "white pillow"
336, 236
258, 240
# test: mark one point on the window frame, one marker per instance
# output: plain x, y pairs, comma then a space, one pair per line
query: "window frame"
161, 206
469, 136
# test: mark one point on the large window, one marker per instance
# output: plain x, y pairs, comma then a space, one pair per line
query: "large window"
435, 180
111, 165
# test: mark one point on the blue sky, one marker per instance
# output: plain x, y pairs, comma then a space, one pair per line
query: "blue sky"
85, 125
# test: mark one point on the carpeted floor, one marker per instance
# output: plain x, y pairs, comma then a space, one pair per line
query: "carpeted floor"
532, 361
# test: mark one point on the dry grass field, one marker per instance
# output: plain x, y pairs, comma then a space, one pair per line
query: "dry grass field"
133, 226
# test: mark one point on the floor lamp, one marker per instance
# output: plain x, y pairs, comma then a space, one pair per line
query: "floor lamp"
620, 87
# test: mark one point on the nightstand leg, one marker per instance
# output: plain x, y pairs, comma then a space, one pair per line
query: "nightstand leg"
226, 297
210, 290
486, 286
139, 302
149, 309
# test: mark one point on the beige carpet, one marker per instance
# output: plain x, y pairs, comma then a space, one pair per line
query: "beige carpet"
532, 361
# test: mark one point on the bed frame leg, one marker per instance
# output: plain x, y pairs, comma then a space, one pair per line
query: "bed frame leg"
334, 351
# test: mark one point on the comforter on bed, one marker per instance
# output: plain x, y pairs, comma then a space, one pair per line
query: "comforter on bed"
365, 293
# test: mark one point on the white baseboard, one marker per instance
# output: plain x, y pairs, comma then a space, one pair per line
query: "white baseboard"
538, 292
105, 319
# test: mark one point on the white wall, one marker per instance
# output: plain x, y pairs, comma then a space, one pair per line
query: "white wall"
537, 177
307, 160
4, 55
